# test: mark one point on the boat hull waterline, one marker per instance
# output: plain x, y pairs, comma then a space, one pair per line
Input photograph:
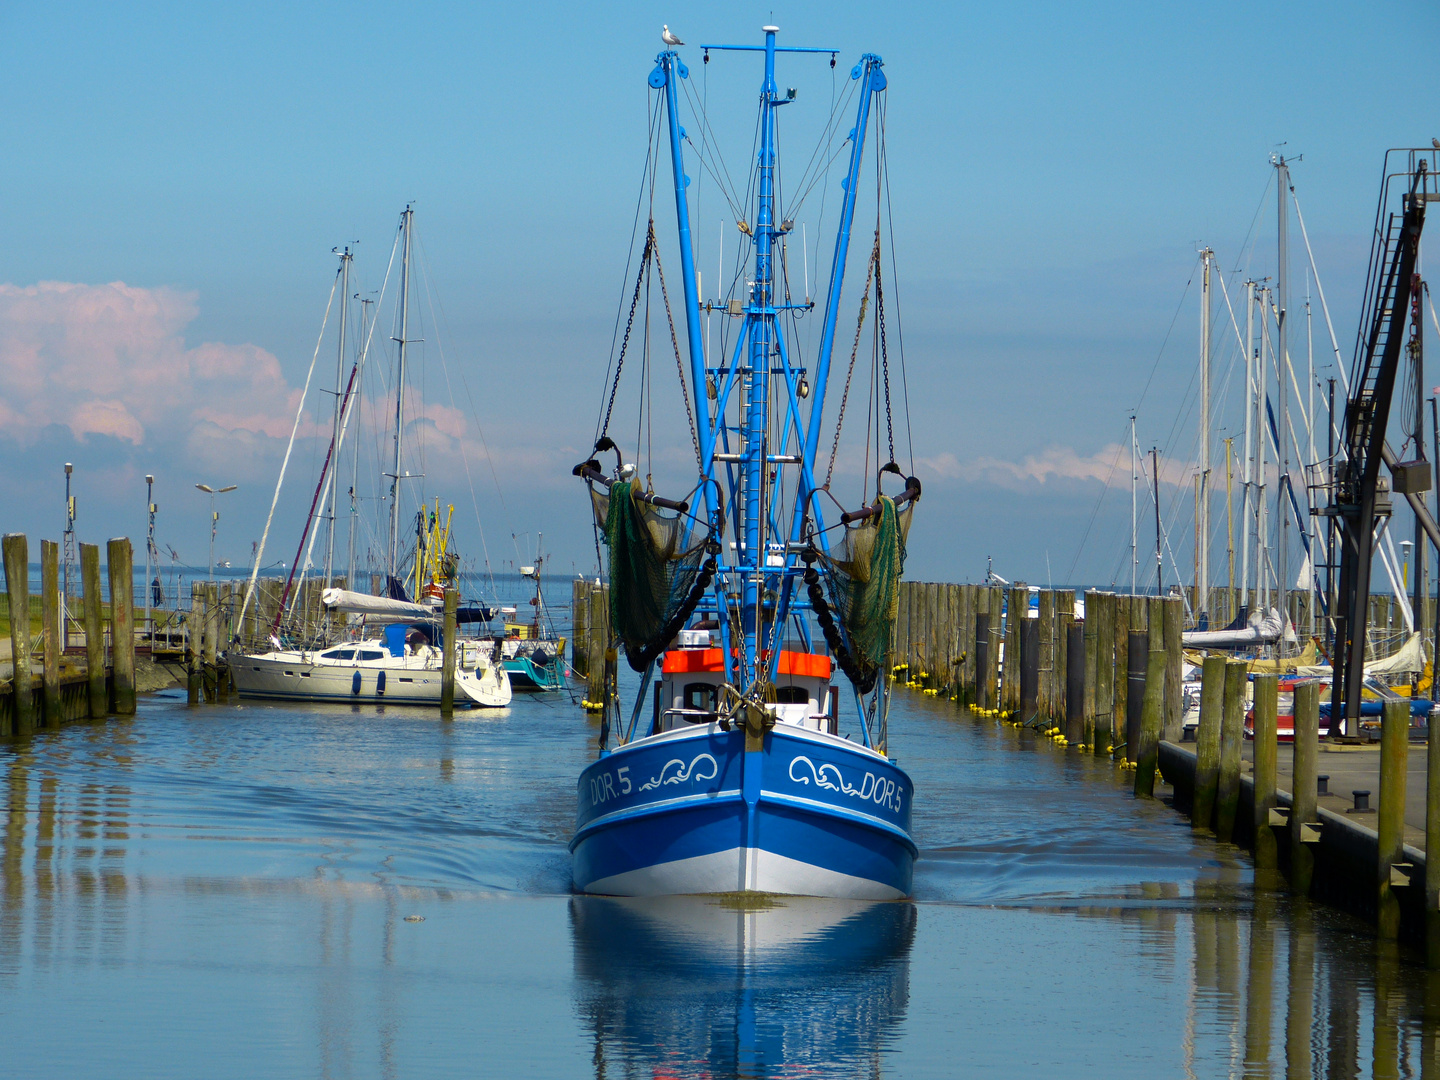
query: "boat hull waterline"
295, 676
692, 811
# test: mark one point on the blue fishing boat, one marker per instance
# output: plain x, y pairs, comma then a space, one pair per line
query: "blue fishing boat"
739, 606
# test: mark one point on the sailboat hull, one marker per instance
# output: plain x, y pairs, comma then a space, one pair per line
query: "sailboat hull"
810, 814
298, 676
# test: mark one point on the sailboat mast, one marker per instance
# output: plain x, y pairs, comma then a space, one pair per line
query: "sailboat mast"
1310, 464
345, 257
1202, 530
1159, 559
355, 461
1282, 362
1230, 529
1262, 522
1245, 506
402, 340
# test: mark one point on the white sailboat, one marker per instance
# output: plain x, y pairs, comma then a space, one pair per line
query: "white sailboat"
404, 664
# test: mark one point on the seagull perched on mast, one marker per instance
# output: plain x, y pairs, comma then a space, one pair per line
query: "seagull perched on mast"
667, 37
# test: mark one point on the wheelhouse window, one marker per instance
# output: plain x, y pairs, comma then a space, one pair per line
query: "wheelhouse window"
792, 695
701, 696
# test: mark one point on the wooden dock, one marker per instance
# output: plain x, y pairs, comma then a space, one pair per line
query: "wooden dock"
96, 676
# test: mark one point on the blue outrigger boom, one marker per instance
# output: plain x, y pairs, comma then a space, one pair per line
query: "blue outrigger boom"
742, 781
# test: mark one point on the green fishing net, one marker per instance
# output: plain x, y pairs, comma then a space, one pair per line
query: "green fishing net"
652, 565
862, 575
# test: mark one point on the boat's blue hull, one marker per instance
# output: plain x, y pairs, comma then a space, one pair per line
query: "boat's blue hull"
693, 812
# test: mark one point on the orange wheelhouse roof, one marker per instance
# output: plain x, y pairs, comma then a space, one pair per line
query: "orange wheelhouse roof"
685, 661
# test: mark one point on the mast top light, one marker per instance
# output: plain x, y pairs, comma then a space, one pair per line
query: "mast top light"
770, 29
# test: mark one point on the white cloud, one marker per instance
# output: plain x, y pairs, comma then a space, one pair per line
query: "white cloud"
112, 360
1059, 465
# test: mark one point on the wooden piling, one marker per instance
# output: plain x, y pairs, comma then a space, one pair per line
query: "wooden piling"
936, 616
1304, 801
211, 622
50, 620
579, 627
17, 587
983, 697
1267, 852
223, 609
1104, 673
1174, 693
1087, 684
598, 621
226, 615
1207, 741
1139, 609
447, 675
208, 631
1075, 683
1120, 696
954, 604
1232, 734
933, 669
122, 624
997, 638
1046, 694
966, 645
915, 634
1064, 619
1152, 712
1029, 670
1394, 761
1016, 600
1155, 626
979, 605
901, 651
94, 631
1137, 676
194, 645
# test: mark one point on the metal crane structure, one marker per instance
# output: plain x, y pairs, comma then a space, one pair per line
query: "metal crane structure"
1360, 501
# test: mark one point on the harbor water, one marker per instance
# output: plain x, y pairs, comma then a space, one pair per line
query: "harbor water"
289, 890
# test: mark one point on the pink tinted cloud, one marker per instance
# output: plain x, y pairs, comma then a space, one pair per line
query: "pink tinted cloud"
112, 360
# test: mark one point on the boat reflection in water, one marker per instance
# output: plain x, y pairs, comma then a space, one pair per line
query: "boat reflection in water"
723, 986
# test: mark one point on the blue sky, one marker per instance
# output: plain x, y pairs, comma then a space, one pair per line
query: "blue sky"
1053, 170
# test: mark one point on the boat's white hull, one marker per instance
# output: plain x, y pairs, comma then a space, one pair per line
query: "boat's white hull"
741, 869
297, 676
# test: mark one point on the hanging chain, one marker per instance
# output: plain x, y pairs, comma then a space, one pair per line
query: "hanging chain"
884, 356
679, 367
854, 352
629, 323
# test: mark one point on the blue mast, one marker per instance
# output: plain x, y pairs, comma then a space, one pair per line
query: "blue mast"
762, 329
763, 591
664, 75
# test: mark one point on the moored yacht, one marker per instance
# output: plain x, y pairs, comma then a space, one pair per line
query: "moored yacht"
389, 669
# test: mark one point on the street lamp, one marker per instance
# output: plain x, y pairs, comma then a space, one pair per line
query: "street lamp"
69, 552
1405, 546
149, 553
214, 518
